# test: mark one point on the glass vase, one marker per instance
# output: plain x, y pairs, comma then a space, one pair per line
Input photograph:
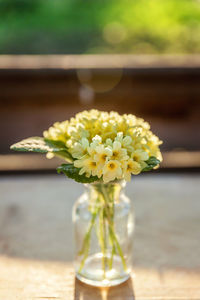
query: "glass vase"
103, 223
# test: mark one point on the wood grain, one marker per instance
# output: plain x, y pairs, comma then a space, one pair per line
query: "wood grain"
36, 252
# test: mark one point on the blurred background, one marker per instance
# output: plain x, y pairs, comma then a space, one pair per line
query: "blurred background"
60, 57
82, 27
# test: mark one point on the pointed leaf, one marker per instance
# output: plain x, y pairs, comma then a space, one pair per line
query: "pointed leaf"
41, 145
33, 144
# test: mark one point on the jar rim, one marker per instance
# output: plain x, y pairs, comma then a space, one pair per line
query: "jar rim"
121, 182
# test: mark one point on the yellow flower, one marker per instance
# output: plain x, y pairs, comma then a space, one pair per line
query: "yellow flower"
112, 170
118, 153
78, 131
126, 141
57, 132
131, 167
153, 150
87, 165
102, 154
108, 145
109, 142
140, 156
50, 155
96, 141
80, 148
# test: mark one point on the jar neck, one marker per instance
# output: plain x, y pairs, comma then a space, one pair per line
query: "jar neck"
109, 191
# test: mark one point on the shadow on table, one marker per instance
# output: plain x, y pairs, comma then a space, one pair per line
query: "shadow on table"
85, 292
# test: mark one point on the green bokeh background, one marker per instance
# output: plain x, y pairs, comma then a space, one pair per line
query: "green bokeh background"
94, 26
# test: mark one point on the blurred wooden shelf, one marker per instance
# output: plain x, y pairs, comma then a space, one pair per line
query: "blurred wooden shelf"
36, 91
37, 162
95, 61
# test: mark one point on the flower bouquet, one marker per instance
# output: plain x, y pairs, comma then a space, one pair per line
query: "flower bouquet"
101, 150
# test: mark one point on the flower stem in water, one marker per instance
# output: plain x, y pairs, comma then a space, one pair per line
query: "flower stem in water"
105, 213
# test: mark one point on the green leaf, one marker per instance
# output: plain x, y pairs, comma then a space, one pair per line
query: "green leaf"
60, 149
70, 171
41, 145
57, 145
151, 163
65, 155
33, 144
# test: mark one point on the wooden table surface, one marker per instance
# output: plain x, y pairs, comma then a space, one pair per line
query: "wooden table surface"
36, 240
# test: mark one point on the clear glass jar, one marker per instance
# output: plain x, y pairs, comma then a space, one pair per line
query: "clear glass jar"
103, 222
